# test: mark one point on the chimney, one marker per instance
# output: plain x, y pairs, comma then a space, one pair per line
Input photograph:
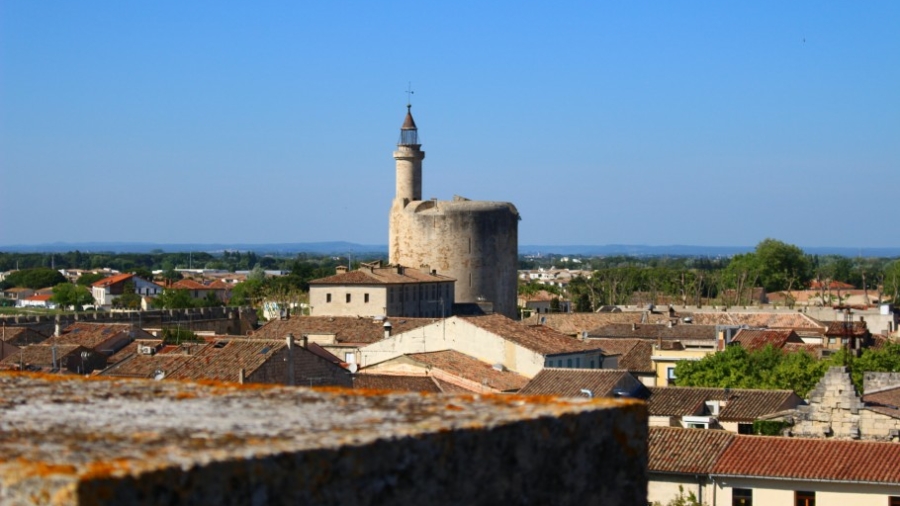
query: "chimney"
341, 269
633, 327
242, 375
290, 358
289, 340
304, 341
57, 328
387, 329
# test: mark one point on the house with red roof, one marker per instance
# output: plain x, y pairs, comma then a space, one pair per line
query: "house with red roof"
725, 469
110, 288
39, 301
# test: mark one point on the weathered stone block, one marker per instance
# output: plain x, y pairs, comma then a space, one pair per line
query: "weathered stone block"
70, 441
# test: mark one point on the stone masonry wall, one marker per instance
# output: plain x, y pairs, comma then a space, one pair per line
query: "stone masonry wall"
71, 441
836, 410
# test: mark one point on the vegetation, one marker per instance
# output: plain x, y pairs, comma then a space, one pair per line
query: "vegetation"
67, 295
682, 499
770, 368
40, 277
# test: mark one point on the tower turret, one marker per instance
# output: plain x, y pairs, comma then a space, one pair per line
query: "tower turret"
409, 161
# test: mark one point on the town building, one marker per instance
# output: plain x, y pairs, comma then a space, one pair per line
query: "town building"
382, 290
107, 290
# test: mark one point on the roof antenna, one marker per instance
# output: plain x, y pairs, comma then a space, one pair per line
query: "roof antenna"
409, 94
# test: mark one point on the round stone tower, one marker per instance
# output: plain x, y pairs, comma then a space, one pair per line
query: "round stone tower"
475, 242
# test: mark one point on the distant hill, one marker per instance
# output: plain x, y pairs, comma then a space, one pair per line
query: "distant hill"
343, 248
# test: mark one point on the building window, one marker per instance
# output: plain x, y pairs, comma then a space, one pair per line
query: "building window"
745, 428
893, 501
366, 298
804, 498
569, 363
741, 497
348, 298
592, 364
327, 297
578, 362
670, 375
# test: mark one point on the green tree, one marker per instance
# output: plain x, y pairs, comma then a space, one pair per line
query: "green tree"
782, 266
89, 278
40, 277
68, 295
129, 299
682, 499
174, 299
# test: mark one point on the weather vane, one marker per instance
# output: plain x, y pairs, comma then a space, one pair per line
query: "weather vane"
409, 94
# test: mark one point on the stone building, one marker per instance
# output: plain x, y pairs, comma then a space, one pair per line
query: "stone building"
378, 290
475, 242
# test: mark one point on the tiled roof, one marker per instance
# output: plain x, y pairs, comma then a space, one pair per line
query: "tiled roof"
686, 451
656, 331
537, 338
147, 366
346, 329
189, 284
740, 404
111, 280
131, 349
811, 459
813, 349
91, 335
41, 354
224, 359
839, 328
757, 339
575, 323
21, 335
39, 298
634, 354
887, 398
381, 276
758, 320
406, 383
472, 369
570, 382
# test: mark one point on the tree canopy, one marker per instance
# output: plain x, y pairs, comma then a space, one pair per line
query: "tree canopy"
70, 295
40, 277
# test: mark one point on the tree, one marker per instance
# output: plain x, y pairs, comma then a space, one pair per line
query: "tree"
173, 299
89, 278
40, 277
782, 266
690, 499
129, 299
69, 295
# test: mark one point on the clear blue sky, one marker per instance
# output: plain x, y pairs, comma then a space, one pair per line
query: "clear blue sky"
637, 122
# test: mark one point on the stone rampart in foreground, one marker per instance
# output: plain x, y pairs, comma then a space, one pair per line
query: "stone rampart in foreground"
72, 441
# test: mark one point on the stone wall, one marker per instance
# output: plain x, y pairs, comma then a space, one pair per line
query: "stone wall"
222, 320
877, 381
836, 410
98, 442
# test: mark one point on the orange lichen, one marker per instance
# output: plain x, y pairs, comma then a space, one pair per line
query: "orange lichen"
44, 469
105, 469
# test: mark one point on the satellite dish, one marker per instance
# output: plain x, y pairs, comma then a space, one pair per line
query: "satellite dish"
159, 375
353, 368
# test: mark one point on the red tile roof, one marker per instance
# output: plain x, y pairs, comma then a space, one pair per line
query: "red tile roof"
571, 382
758, 320
811, 459
111, 280
472, 369
686, 451
742, 405
575, 323
346, 329
838, 329
189, 284
686, 331
92, 335
757, 339
382, 276
39, 298
634, 354
537, 338
224, 359
406, 383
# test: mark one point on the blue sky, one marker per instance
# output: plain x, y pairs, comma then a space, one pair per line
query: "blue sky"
704, 123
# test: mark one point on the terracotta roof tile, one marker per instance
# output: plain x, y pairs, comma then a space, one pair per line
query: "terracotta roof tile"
382, 276
472, 369
740, 404
21, 336
537, 338
758, 320
634, 354
811, 459
147, 366
686, 451
575, 323
840, 328
111, 280
656, 331
570, 382
41, 355
225, 358
757, 339
406, 383
346, 329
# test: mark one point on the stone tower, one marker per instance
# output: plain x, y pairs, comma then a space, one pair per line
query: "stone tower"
475, 242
